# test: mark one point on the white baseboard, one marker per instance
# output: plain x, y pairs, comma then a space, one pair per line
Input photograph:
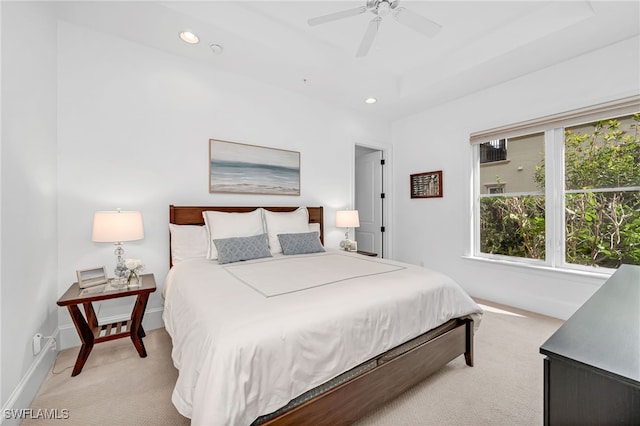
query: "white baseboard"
16, 408
69, 336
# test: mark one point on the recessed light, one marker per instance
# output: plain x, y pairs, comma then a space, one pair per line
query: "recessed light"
189, 37
370, 101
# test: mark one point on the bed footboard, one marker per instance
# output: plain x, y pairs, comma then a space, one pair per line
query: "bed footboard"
348, 402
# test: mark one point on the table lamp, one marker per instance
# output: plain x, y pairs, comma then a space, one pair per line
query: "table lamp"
348, 219
117, 227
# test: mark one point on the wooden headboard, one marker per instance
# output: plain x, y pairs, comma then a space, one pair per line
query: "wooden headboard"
192, 215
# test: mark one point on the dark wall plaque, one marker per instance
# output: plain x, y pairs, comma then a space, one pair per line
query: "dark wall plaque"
426, 185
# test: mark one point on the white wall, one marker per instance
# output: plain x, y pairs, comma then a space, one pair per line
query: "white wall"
437, 231
134, 125
28, 193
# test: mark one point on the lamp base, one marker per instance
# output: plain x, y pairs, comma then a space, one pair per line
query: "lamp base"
120, 271
349, 245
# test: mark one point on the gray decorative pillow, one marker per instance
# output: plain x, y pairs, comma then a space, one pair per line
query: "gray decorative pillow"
302, 243
242, 248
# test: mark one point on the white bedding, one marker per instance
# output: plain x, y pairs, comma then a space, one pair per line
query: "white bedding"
241, 354
310, 271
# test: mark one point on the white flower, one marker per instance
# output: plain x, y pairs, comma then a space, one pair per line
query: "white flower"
134, 265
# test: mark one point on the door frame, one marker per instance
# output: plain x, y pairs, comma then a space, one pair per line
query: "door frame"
387, 184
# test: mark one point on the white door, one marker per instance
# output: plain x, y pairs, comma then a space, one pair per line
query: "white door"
368, 200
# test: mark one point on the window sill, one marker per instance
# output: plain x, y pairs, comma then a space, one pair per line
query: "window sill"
604, 275
495, 163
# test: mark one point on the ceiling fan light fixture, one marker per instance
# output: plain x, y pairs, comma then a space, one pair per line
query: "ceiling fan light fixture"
370, 101
383, 8
189, 37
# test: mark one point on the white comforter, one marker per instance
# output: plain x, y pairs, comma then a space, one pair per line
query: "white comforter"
245, 345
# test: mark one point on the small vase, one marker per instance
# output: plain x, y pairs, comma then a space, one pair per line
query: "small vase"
133, 280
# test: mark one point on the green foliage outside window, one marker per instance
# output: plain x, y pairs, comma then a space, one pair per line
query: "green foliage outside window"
602, 216
513, 226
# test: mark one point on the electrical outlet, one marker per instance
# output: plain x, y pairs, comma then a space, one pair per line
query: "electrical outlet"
37, 343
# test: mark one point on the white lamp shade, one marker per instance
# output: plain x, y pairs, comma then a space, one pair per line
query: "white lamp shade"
347, 219
117, 226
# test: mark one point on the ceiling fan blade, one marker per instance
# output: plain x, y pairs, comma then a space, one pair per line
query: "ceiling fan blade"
335, 16
416, 22
369, 36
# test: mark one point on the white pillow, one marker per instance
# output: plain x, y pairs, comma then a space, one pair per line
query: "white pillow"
188, 242
227, 225
285, 223
314, 227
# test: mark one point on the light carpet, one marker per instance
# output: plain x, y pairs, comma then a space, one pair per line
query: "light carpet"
505, 386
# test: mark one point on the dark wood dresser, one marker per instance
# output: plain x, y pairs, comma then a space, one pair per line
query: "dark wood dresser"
592, 363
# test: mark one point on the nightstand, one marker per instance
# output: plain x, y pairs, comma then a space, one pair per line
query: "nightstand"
367, 253
88, 329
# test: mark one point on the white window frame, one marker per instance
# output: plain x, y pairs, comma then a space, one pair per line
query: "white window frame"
553, 127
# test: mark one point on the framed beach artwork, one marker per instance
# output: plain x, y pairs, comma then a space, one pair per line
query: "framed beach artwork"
249, 169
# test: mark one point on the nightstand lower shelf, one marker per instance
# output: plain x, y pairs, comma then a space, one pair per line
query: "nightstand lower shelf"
113, 331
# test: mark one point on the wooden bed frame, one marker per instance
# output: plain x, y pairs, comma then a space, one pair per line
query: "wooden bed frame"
344, 404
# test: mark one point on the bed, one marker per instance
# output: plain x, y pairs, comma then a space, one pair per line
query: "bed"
304, 335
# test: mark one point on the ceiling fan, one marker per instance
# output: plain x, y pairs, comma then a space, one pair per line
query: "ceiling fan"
381, 8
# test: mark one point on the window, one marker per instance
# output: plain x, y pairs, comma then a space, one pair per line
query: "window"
569, 194
602, 192
512, 209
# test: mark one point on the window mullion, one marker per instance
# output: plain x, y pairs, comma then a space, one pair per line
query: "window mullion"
554, 196
475, 200
560, 222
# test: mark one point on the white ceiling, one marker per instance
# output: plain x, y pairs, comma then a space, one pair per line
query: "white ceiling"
481, 43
